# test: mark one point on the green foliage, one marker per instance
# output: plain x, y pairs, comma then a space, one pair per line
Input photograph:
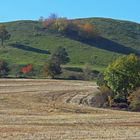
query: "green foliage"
4, 35
32, 34
60, 56
3, 69
52, 69
100, 80
123, 75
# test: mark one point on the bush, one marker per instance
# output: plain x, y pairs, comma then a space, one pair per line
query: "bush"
52, 69
3, 69
123, 76
25, 71
106, 95
60, 56
134, 100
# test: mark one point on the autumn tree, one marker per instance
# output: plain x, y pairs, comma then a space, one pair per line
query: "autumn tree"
4, 34
50, 21
72, 28
87, 31
26, 69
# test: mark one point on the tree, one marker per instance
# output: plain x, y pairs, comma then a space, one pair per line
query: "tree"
27, 69
53, 66
4, 35
86, 31
3, 69
50, 21
123, 75
60, 56
52, 69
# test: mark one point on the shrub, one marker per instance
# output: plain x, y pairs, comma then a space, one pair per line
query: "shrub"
52, 69
100, 80
134, 100
26, 69
106, 95
60, 56
123, 76
3, 69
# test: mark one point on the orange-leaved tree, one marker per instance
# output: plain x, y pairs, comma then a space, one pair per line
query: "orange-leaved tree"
26, 69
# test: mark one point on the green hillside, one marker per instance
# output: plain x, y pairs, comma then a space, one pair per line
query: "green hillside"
34, 46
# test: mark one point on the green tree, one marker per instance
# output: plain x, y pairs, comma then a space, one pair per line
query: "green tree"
4, 35
60, 56
123, 75
3, 69
52, 69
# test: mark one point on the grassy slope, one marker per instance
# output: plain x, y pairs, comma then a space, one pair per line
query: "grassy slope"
121, 32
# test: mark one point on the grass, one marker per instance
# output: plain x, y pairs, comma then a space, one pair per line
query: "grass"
37, 109
93, 67
117, 37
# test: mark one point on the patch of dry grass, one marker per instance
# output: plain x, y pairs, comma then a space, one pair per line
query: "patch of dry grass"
38, 110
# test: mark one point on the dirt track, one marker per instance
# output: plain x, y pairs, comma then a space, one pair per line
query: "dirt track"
49, 110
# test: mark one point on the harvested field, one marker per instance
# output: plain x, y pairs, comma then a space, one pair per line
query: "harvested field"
57, 110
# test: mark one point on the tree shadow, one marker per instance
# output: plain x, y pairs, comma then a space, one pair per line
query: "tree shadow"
106, 44
29, 48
